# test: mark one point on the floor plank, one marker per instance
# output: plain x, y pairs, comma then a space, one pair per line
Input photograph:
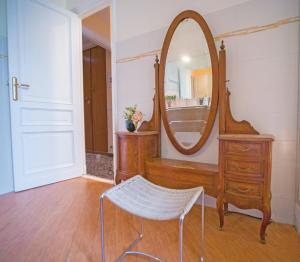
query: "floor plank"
60, 222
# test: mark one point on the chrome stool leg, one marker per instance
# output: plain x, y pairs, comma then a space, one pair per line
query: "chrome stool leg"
181, 220
202, 227
102, 227
128, 251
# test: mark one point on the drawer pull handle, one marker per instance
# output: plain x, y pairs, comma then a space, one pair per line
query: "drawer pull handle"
244, 189
242, 168
245, 168
242, 148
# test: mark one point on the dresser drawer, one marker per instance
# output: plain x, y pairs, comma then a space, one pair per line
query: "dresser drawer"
243, 148
242, 189
244, 168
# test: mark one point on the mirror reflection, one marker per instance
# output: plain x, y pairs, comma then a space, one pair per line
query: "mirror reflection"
188, 83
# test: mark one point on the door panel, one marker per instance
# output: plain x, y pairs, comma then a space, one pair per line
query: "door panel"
87, 85
50, 159
46, 121
99, 101
46, 45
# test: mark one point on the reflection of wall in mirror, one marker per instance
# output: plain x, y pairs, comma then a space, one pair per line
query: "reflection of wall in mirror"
187, 139
185, 83
172, 80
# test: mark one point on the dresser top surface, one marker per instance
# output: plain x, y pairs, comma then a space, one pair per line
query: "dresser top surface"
142, 133
246, 137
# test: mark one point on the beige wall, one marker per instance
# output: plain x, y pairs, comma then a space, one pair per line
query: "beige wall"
262, 68
99, 24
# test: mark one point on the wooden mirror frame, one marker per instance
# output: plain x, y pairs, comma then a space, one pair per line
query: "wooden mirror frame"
215, 82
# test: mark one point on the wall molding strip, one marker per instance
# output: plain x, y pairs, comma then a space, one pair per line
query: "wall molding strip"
137, 57
240, 32
255, 29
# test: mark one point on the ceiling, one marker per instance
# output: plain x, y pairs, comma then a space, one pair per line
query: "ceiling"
136, 17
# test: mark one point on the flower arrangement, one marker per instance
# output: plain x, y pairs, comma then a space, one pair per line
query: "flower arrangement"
132, 117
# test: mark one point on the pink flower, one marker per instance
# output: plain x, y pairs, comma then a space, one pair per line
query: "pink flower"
137, 116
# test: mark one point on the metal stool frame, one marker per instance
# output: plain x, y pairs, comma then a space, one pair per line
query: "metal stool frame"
129, 251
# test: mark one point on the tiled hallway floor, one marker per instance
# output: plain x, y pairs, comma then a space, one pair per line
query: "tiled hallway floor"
100, 165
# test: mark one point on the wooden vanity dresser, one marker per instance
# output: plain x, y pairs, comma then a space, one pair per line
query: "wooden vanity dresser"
243, 175
133, 150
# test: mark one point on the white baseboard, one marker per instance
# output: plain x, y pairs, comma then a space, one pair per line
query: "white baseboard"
99, 179
297, 217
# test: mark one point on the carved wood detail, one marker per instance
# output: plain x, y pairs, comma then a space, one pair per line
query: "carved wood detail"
154, 123
236, 127
227, 123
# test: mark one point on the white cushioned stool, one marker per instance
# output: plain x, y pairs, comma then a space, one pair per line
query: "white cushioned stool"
144, 199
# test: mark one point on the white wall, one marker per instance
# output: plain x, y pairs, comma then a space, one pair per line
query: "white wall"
262, 68
61, 3
136, 17
6, 175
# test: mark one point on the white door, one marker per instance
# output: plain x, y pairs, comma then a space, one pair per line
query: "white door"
44, 47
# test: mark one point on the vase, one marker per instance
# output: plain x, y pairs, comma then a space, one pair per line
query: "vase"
130, 125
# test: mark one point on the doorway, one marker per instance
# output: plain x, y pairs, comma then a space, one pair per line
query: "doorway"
96, 43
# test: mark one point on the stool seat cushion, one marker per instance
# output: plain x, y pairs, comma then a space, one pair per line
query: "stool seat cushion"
142, 198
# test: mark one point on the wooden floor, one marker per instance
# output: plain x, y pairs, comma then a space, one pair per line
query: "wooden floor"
60, 223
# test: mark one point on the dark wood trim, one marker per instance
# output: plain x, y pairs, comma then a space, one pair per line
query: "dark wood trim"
215, 82
222, 88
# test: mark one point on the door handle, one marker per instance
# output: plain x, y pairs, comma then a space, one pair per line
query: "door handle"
15, 86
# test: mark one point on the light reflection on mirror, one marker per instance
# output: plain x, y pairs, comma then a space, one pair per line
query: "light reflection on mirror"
188, 83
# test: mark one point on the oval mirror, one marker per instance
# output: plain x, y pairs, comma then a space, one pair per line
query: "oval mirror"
188, 82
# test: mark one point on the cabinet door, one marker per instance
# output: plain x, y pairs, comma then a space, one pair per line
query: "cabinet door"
88, 121
99, 102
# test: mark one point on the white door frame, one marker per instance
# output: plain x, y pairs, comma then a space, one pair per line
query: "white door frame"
84, 10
